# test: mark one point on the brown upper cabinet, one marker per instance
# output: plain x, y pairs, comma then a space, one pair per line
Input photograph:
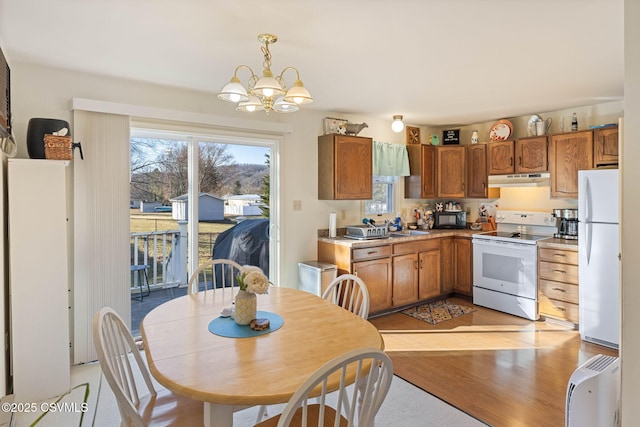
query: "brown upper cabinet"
569, 153
451, 171
441, 172
476, 182
421, 184
531, 155
500, 158
345, 167
527, 155
605, 146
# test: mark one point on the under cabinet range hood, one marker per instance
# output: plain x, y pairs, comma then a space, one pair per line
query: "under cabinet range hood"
540, 179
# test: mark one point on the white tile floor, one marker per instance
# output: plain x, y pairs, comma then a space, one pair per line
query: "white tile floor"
405, 405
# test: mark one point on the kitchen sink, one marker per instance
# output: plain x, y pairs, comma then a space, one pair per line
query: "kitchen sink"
408, 233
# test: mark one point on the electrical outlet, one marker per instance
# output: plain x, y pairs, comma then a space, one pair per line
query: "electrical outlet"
297, 205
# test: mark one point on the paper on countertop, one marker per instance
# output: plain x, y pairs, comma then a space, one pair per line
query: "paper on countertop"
332, 225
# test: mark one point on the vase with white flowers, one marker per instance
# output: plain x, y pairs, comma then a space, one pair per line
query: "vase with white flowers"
251, 281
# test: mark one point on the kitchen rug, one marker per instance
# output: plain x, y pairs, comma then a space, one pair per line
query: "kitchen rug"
438, 311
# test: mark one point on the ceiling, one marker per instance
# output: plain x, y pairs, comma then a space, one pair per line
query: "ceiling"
437, 62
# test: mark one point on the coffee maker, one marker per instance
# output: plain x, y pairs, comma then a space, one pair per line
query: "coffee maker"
567, 223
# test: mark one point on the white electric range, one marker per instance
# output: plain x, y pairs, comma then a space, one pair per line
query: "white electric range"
505, 262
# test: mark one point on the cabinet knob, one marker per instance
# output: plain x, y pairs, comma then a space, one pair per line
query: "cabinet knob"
560, 271
558, 289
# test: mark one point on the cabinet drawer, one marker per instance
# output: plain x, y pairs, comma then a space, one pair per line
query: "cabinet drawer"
416, 246
565, 273
559, 291
371, 253
558, 255
560, 310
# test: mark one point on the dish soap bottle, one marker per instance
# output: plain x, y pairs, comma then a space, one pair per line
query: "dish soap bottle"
574, 122
398, 222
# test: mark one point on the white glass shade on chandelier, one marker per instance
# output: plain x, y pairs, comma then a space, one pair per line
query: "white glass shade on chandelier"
266, 93
397, 124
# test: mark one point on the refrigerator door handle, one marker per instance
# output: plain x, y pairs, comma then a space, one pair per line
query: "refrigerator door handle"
588, 236
587, 200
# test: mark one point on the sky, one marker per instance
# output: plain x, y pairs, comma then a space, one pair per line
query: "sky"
242, 154
248, 154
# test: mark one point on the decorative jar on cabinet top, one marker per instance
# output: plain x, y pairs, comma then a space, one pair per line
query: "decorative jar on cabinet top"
474, 137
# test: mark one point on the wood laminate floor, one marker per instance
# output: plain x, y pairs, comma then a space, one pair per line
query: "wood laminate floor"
501, 369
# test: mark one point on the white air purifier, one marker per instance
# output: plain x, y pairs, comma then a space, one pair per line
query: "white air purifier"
593, 394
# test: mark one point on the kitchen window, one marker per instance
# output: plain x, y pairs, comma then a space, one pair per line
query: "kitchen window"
384, 190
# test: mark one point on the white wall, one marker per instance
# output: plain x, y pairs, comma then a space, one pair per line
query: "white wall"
46, 92
4, 258
630, 344
43, 92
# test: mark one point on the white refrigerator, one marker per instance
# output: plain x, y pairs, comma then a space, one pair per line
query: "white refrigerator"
599, 261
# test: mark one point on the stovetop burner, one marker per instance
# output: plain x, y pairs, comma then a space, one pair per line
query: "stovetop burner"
507, 236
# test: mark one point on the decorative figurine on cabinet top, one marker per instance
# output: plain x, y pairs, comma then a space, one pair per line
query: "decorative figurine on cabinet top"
353, 128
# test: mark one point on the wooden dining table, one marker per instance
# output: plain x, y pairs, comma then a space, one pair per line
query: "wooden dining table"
229, 374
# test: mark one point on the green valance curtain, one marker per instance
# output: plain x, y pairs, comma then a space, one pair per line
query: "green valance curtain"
390, 159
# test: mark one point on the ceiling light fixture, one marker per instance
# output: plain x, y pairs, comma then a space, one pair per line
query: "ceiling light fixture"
397, 125
267, 92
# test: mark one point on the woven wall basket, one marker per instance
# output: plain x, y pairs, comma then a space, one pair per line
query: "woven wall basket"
58, 147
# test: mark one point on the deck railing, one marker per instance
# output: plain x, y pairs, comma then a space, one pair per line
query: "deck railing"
163, 252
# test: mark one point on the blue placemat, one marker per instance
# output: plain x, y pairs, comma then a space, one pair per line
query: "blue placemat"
227, 327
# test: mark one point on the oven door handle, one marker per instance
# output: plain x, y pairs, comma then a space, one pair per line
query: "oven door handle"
500, 243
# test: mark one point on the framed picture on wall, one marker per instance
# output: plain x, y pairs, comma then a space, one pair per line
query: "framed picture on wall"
451, 136
332, 125
413, 135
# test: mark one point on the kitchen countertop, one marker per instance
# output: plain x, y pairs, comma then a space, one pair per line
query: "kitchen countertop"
551, 242
554, 243
433, 234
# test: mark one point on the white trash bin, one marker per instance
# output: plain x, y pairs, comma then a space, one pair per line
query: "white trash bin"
315, 276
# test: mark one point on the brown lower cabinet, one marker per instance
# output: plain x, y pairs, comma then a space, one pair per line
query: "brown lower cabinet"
416, 271
405, 279
403, 273
456, 258
376, 274
558, 284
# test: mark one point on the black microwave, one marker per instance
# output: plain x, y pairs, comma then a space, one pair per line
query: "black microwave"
449, 219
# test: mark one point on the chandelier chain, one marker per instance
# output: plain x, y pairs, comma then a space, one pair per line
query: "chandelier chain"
267, 55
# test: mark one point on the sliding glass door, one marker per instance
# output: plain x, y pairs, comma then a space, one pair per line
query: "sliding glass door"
188, 184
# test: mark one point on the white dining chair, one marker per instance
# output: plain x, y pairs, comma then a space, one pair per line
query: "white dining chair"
213, 274
374, 373
128, 379
349, 292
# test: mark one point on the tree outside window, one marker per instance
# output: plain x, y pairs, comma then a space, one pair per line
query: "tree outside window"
383, 196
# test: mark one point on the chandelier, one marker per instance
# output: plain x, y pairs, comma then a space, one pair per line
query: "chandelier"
267, 92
